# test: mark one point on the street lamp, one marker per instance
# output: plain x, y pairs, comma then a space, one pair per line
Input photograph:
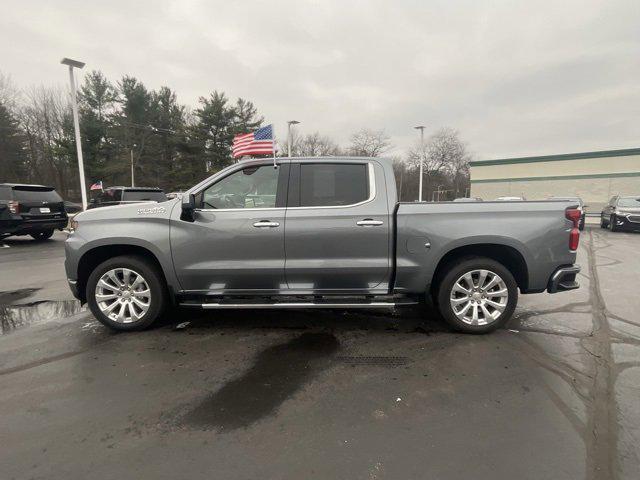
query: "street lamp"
289, 123
76, 125
132, 174
421, 128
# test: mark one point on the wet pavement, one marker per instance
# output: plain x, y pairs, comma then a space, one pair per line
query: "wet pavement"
335, 394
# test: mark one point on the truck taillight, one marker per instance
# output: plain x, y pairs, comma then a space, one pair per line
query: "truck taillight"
574, 215
14, 207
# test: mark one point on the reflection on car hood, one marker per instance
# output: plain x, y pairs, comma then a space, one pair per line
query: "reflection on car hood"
628, 210
127, 210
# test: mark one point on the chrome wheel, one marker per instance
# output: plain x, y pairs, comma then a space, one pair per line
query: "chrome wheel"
123, 295
479, 297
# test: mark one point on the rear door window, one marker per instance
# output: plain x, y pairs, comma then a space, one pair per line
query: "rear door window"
35, 194
333, 184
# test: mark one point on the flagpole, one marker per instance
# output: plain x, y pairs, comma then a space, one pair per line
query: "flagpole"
273, 131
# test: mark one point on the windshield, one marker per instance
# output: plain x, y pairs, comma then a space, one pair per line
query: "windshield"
144, 195
629, 202
35, 194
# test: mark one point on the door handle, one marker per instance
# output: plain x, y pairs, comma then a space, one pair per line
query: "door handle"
266, 224
367, 222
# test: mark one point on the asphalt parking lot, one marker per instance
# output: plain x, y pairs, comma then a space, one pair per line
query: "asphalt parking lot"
311, 394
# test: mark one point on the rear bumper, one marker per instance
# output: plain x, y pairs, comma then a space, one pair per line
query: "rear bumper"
26, 227
563, 279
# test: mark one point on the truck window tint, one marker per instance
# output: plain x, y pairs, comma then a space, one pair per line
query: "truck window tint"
253, 187
330, 185
27, 194
142, 195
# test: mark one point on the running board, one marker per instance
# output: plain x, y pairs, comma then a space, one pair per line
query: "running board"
249, 305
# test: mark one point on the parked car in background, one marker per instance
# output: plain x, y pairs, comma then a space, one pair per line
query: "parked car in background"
621, 213
35, 210
172, 195
581, 206
510, 199
123, 195
318, 233
467, 199
72, 207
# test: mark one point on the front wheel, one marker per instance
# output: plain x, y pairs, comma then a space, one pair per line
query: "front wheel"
477, 295
41, 236
126, 293
612, 224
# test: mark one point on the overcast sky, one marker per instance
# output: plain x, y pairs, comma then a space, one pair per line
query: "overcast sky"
516, 78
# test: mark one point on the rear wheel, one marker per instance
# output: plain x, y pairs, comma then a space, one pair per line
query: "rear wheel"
40, 236
477, 295
126, 293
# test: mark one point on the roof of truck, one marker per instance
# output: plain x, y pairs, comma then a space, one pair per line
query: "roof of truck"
28, 185
142, 189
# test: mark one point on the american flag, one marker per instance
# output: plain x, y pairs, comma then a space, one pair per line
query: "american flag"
259, 142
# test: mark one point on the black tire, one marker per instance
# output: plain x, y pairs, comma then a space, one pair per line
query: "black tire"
42, 236
581, 224
612, 224
603, 224
454, 272
153, 278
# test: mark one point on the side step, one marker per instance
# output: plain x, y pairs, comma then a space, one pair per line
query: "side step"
231, 303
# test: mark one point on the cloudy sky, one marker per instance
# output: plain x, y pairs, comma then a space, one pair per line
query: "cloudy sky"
514, 77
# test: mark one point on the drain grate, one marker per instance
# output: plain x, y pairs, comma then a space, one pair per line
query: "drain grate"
374, 360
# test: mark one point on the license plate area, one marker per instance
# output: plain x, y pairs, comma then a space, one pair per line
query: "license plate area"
45, 210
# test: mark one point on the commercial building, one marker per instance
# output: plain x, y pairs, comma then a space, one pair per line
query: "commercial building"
593, 176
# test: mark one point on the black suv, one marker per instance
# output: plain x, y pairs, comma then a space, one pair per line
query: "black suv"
33, 210
123, 195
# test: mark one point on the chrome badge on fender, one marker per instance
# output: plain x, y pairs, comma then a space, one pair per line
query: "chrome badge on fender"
151, 211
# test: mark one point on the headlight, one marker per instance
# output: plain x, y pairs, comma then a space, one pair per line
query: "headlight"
73, 225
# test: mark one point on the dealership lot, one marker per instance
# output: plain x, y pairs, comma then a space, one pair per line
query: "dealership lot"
311, 394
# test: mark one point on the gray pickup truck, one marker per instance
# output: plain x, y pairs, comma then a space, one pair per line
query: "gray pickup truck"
318, 233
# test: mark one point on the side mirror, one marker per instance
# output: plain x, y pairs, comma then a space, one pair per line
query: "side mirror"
188, 207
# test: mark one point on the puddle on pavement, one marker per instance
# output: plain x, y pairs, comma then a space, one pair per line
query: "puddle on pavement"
9, 298
13, 317
278, 372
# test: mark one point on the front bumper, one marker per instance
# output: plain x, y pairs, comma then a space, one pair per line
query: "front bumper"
627, 222
563, 279
73, 286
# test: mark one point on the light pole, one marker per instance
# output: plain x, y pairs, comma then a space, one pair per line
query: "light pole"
421, 128
132, 174
76, 125
289, 123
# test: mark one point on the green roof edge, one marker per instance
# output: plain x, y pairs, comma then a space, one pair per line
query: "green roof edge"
556, 158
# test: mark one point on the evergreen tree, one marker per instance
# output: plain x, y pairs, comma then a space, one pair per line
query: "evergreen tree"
12, 167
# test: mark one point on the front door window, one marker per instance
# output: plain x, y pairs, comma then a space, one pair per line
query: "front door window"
252, 187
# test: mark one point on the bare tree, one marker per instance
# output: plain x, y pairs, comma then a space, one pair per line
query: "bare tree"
45, 119
446, 161
369, 143
316, 145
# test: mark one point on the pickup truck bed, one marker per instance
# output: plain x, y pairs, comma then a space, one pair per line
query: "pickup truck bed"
318, 233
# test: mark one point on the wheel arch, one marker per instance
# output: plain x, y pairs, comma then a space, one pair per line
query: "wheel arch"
95, 256
506, 255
